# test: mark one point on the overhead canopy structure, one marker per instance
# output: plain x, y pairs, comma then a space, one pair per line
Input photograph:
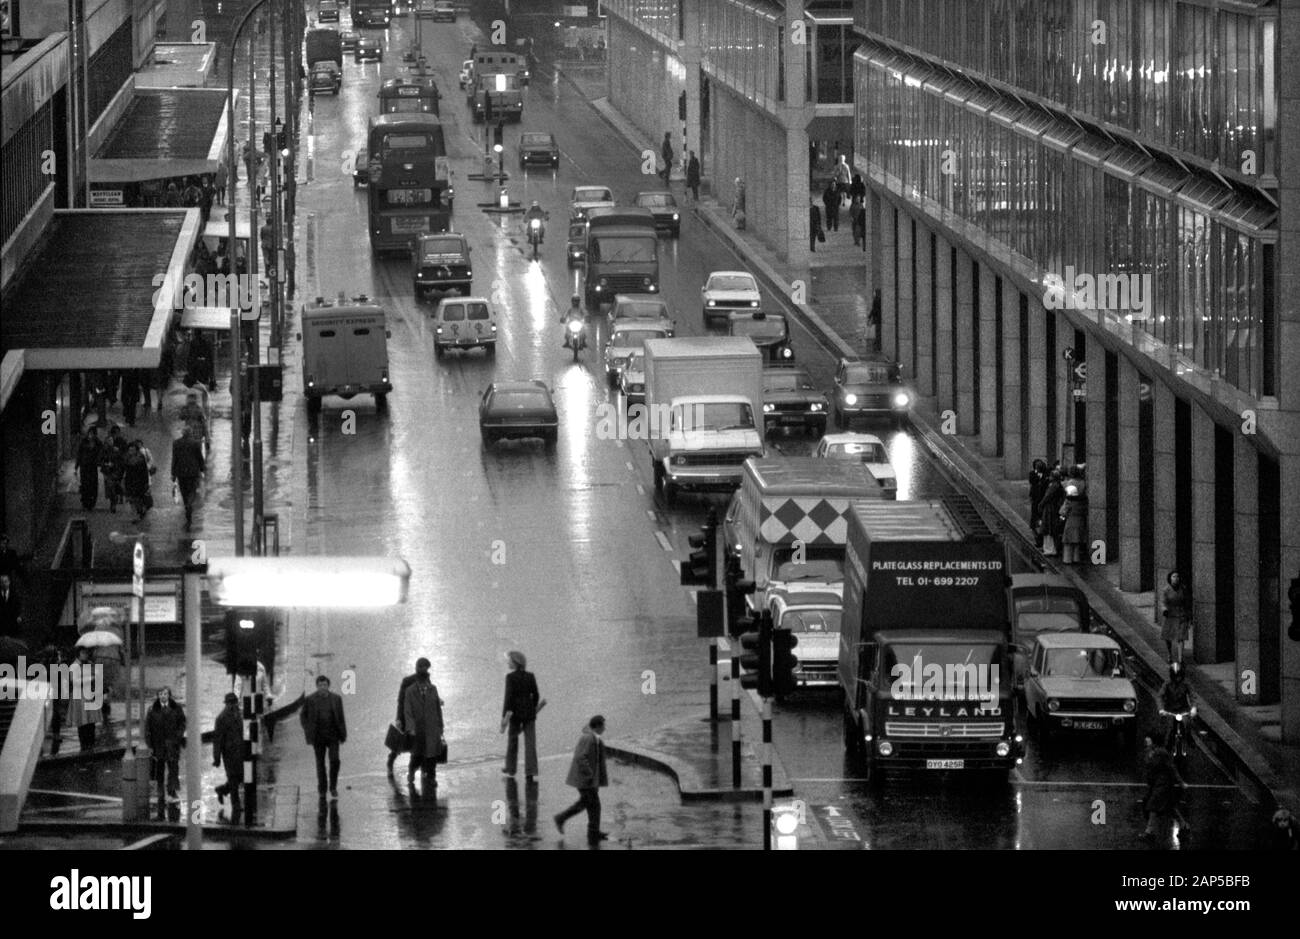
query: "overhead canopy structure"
165, 133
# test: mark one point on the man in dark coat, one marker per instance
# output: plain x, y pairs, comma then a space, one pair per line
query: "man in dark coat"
1037, 489
130, 395
519, 715
1049, 508
228, 748
1164, 792
400, 721
666, 151
11, 609
164, 732
188, 466
587, 774
831, 199
322, 722
693, 176
422, 712
88, 452
815, 227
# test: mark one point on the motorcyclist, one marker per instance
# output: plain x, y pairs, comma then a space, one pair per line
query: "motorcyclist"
535, 211
574, 312
1175, 698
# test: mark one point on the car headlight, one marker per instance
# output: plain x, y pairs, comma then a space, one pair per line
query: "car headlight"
712, 303
1130, 705
646, 281
769, 408
603, 281
753, 303
816, 406
438, 330
494, 327
674, 216
850, 399
787, 352
1003, 748
902, 399
1053, 704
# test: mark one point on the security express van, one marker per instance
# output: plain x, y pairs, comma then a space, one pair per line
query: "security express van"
344, 351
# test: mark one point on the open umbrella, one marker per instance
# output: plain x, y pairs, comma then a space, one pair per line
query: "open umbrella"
11, 650
98, 638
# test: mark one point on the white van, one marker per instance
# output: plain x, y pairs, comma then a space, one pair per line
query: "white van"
464, 323
344, 351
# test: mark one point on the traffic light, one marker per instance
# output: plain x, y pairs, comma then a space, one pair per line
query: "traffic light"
784, 662
1293, 595
250, 637
757, 657
737, 590
701, 570
487, 107
681, 106
498, 137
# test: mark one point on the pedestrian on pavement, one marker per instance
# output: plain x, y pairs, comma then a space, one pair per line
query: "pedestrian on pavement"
164, 732
88, 453
145, 379
11, 609
266, 236
400, 720
858, 189
56, 667
843, 177
228, 748
1074, 525
172, 199
666, 151
1037, 489
221, 182
130, 395
188, 467
136, 481
587, 774
1050, 511
815, 233
112, 465
1164, 793
693, 176
207, 195
200, 359
192, 195
857, 221
519, 715
1286, 831
831, 200
194, 412
84, 710
1177, 619
738, 208
422, 710
323, 723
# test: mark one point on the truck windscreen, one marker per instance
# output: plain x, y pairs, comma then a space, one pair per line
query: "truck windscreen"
823, 564
623, 249
713, 416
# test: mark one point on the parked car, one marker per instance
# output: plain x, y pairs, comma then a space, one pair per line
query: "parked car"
442, 263
464, 323
663, 206
325, 79
538, 148
870, 388
725, 291
866, 449
518, 409
1079, 682
790, 397
368, 49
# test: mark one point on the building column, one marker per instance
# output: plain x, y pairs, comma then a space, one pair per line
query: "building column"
1130, 485
1204, 590
1065, 340
964, 367
795, 118
1245, 565
1038, 352
924, 311
944, 381
906, 298
888, 282
988, 353
1164, 449
690, 49
1013, 456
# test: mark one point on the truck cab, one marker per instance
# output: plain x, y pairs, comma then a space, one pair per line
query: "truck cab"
344, 351
622, 255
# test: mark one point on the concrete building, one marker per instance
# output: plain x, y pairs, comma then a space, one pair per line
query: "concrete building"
765, 88
1056, 183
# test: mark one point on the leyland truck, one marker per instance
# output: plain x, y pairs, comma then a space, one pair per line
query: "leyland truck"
925, 641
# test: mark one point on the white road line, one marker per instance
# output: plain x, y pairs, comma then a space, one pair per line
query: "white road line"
76, 795
630, 467
640, 489
663, 541
650, 513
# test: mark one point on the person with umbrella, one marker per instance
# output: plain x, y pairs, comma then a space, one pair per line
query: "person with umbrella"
164, 732
83, 708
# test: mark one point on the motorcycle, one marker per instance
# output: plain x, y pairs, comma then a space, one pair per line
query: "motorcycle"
535, 235
575, 336
1176, 741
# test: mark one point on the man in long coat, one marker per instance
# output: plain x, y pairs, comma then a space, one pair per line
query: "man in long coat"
400, 720
587, 774
228, 748
422, 713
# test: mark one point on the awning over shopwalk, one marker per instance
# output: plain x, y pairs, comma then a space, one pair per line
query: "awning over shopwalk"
165, 133
89, 297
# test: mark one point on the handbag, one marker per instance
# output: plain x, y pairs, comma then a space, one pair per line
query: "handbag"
396, 740
442, 750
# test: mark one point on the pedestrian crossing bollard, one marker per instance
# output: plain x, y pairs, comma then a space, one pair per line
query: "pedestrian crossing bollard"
254, 705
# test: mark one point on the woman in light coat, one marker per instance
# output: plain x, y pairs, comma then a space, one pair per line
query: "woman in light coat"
422, 709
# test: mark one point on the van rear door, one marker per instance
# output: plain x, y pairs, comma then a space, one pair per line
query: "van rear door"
367, 353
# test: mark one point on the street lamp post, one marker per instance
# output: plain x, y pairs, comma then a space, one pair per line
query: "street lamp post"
131, 760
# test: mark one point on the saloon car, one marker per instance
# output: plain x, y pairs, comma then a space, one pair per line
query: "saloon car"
538, 149
725, 291
626, 339
368, 49
867, 449
790, 397
769, 332
663, 206
870, 388
518, 410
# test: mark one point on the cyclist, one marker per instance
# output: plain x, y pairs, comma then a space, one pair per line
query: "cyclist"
1175, 698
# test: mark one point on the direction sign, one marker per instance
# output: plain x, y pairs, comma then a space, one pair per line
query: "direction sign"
1081, 372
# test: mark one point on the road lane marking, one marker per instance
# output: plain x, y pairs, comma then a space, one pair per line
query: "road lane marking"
641, 491
630, 467
663, 541
651, 515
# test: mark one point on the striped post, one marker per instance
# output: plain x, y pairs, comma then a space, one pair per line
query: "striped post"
254, 705
767, 774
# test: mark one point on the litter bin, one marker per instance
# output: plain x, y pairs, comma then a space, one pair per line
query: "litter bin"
137, 783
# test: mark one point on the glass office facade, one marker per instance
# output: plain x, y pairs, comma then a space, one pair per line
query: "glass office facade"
831, 70
660, 18
1178, 74
742, 44
1062, 198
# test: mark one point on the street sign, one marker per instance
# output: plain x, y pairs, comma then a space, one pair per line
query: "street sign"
1081, 372
1068, 354
137, 570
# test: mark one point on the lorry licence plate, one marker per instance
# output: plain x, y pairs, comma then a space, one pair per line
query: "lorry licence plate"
1090, 725
410, 225
945, 764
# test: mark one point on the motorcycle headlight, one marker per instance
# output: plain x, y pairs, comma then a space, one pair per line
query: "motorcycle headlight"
901, 399
850, 399
575, 327
1053, 704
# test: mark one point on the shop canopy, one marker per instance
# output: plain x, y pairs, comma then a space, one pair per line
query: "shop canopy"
165, 133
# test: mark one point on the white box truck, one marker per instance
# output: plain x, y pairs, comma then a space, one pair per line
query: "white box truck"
704, 405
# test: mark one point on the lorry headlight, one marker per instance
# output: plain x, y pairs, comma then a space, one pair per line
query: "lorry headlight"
1130, 705
816, 407
901, 399
850, 399
885, 748
1053, 704
769, 408
1003, 748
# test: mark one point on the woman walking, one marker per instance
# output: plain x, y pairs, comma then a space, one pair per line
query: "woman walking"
519, 715
1049, 512
164, 732
422, 709
1177, 615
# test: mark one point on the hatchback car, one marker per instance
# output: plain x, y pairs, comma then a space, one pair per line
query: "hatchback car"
625, 339
584, 197
725, 291
814, 617
640, 306
327, 11
631, 380
866, 449
325, 79
518, 410
464, 323
1078, 681
790, 397
1042, 604
769, 331
870, 388
663, 206
348, 39
538, 148
368, 50
442, 263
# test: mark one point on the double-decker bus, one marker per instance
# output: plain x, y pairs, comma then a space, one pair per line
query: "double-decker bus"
400, 96
371, 13
410, 180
